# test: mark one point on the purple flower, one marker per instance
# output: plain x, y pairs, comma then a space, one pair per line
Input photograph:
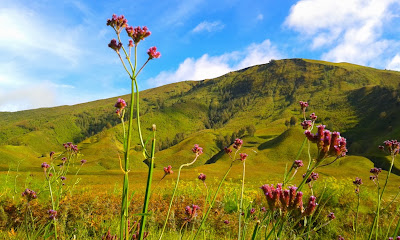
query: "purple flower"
227, 150
52, 154
375, 171
297, 164
243, 156
238, 143
120, 104
191, 212
117, 22
202, 177
263, 209
340, 237
152, 52
198, 150
226, 222
311, 206
252, 211
29, 194
52, 213
306, 124
313, 117
313, 177
114, 45
63, 178
358, 182
331, 216
45, 166
303, 105
83, 161
168, 170
130, 43
137, 34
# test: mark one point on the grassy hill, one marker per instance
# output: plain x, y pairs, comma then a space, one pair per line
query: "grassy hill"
360, 102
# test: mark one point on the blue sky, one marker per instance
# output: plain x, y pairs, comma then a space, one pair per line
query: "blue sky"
55, 52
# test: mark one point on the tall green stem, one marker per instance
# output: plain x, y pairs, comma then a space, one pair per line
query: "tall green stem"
53, 206
212, 203
148, 187
173, 194
356, 221
241, 199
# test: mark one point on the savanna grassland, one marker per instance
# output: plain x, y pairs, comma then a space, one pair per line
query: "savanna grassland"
259, 105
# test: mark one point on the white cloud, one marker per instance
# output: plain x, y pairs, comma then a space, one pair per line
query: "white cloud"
208, 26
351, 30
394, 64
213, 66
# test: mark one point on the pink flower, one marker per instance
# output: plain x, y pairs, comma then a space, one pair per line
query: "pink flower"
313, 117
114, 45
130, 43
303, 105
45, 166
243, 156
202, 177
137, 34
117, 22
331, 216
297, 164
198, 150
238, 143
152, 52
168, 170
121, 104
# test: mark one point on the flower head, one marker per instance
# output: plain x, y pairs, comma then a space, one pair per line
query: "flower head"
202, 177
137, 34
168, 170
130, 44
63, 178
243, 156
226, 222
52, 213
29, 194
303, 105
375, 171
227, 150
83, 161
313, 117
191, 212
331, 216
306, 124
238, 143
45, 166
117, 22
198, 150
311, 206
52, 154
114, 45
152, 52
120, 104
297, 164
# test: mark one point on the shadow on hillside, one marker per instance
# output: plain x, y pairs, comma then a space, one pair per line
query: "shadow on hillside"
215, 158
267, 136
382, 162
275, 141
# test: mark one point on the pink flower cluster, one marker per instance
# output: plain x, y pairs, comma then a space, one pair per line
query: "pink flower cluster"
243, 156
288, 199
392, 146
313, 177
191, 212
303, 105
238, 143
29, 194
70, 147
297, 164
117, 22
168, 170
329, 144
306, 124
152, 52
202, 177
198, 150
52, 213
45, 166
137, 34
114, 45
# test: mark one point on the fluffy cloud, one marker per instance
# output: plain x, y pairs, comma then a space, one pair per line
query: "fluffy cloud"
208, 26
349, 30
394, 64
213, 66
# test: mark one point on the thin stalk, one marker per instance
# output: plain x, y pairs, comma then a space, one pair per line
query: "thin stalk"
138, 116
397, 230
26, 221
241, 199
148, 187
212, 202
391, 223
173, 194
356, 221
52, 204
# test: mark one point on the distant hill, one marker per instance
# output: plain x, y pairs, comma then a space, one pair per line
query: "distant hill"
362, 103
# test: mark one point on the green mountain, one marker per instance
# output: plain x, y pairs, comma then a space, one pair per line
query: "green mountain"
360, 102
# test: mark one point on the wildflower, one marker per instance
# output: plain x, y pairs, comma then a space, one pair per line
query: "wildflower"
306, 124
226, 222
64, 159
263, 209
313, 177
63, 178
121, 104
331, 216
202, 177
313, 117
50, 174
243, 156
45, 166
252, 211
52, 154
303, 105
117, 22
311, 206
297, 164
29, 194
340, 237
108, 236
329, 144
238, 143
168, 170
283, 199
392, 146
191, 212
114, 45
152, 52
198, 150
358, 183
137, 34
83, 161
227, 150
375, 171
130, 43
52, 213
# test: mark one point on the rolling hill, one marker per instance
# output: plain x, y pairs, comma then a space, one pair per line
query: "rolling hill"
360, 102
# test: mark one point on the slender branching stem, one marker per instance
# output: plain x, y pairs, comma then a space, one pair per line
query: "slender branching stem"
356, 220
241, 199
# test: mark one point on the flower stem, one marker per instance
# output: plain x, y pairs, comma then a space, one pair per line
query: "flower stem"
241, 199
356, 221
148, 187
